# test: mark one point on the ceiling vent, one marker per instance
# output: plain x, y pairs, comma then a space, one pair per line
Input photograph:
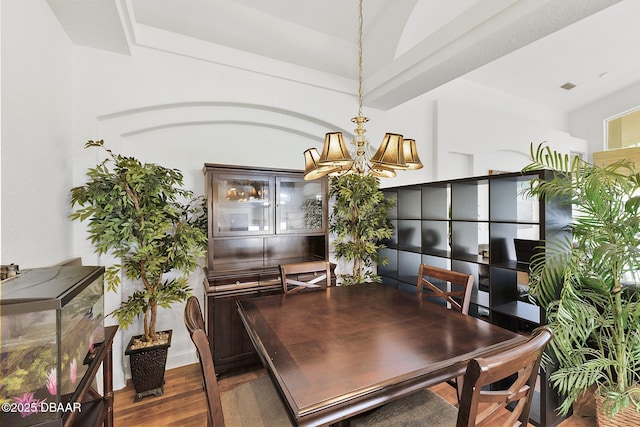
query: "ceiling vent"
568, 86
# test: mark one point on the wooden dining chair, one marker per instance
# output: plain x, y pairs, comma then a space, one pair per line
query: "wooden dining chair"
511, 375
461, 285
255, 402
433, 283
302, 276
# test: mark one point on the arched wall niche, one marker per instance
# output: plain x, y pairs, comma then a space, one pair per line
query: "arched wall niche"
187, 135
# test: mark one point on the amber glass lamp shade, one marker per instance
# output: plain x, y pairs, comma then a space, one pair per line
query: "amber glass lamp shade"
390, 154
334, 151
312, 169
411, 154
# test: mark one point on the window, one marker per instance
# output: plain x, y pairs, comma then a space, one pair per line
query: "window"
623, 131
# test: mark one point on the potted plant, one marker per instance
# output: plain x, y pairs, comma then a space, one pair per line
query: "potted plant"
588, 283
359, 220
140, 214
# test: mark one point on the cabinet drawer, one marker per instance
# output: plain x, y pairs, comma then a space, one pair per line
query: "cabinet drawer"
234, 283
269, 281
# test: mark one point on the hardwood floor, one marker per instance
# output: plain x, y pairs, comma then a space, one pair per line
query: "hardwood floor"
183, 403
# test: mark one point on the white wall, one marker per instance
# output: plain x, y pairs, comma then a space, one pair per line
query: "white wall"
36, 136
588, 122
464, 129
472, 141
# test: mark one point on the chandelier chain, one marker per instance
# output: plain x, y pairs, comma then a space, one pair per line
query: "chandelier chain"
360, 21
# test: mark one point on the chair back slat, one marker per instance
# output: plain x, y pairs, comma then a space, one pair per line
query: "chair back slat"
457, 299
515, 372
318, 274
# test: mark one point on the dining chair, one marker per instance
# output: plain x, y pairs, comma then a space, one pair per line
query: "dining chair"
457, 298
251, 403
461, 284
498, 391
302, 276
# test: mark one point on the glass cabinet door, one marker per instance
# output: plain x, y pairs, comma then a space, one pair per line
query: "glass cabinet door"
300, 205
244, 205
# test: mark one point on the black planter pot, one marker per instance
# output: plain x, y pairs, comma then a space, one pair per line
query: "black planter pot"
147, 367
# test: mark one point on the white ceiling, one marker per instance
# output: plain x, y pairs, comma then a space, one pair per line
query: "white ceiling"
528, 48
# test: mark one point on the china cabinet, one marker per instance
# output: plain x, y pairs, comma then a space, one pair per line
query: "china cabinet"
257, 220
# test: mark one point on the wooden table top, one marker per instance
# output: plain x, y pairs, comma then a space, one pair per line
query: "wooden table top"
336, 353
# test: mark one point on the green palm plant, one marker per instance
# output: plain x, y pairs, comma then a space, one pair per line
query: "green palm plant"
587, 282
140, 214
359, 220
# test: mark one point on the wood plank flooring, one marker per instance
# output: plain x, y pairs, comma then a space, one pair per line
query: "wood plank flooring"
183, 403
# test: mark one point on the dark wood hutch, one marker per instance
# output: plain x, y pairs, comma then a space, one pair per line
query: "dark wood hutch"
257, 220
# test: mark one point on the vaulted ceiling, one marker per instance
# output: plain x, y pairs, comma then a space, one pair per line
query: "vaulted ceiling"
528, 48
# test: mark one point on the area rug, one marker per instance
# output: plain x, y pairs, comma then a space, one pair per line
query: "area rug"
254, 404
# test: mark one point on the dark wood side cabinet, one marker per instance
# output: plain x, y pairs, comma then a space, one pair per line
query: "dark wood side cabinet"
257, 220
483, 226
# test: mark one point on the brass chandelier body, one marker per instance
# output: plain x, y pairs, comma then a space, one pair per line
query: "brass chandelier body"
395, 152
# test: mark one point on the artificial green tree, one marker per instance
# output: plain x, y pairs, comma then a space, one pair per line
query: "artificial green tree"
140, 214
360, 221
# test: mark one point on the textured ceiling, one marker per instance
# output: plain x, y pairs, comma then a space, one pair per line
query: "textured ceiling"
524, 47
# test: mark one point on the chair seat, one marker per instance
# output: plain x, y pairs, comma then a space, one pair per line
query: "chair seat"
254, 403
411, 411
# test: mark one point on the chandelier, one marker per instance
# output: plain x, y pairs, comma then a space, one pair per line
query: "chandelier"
394, 153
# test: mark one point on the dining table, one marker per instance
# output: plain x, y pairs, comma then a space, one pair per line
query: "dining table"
338, 352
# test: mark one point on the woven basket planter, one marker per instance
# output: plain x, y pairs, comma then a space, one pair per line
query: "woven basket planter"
625, 418
147, 368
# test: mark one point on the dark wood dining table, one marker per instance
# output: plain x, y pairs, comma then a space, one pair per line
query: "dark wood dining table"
335, 353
